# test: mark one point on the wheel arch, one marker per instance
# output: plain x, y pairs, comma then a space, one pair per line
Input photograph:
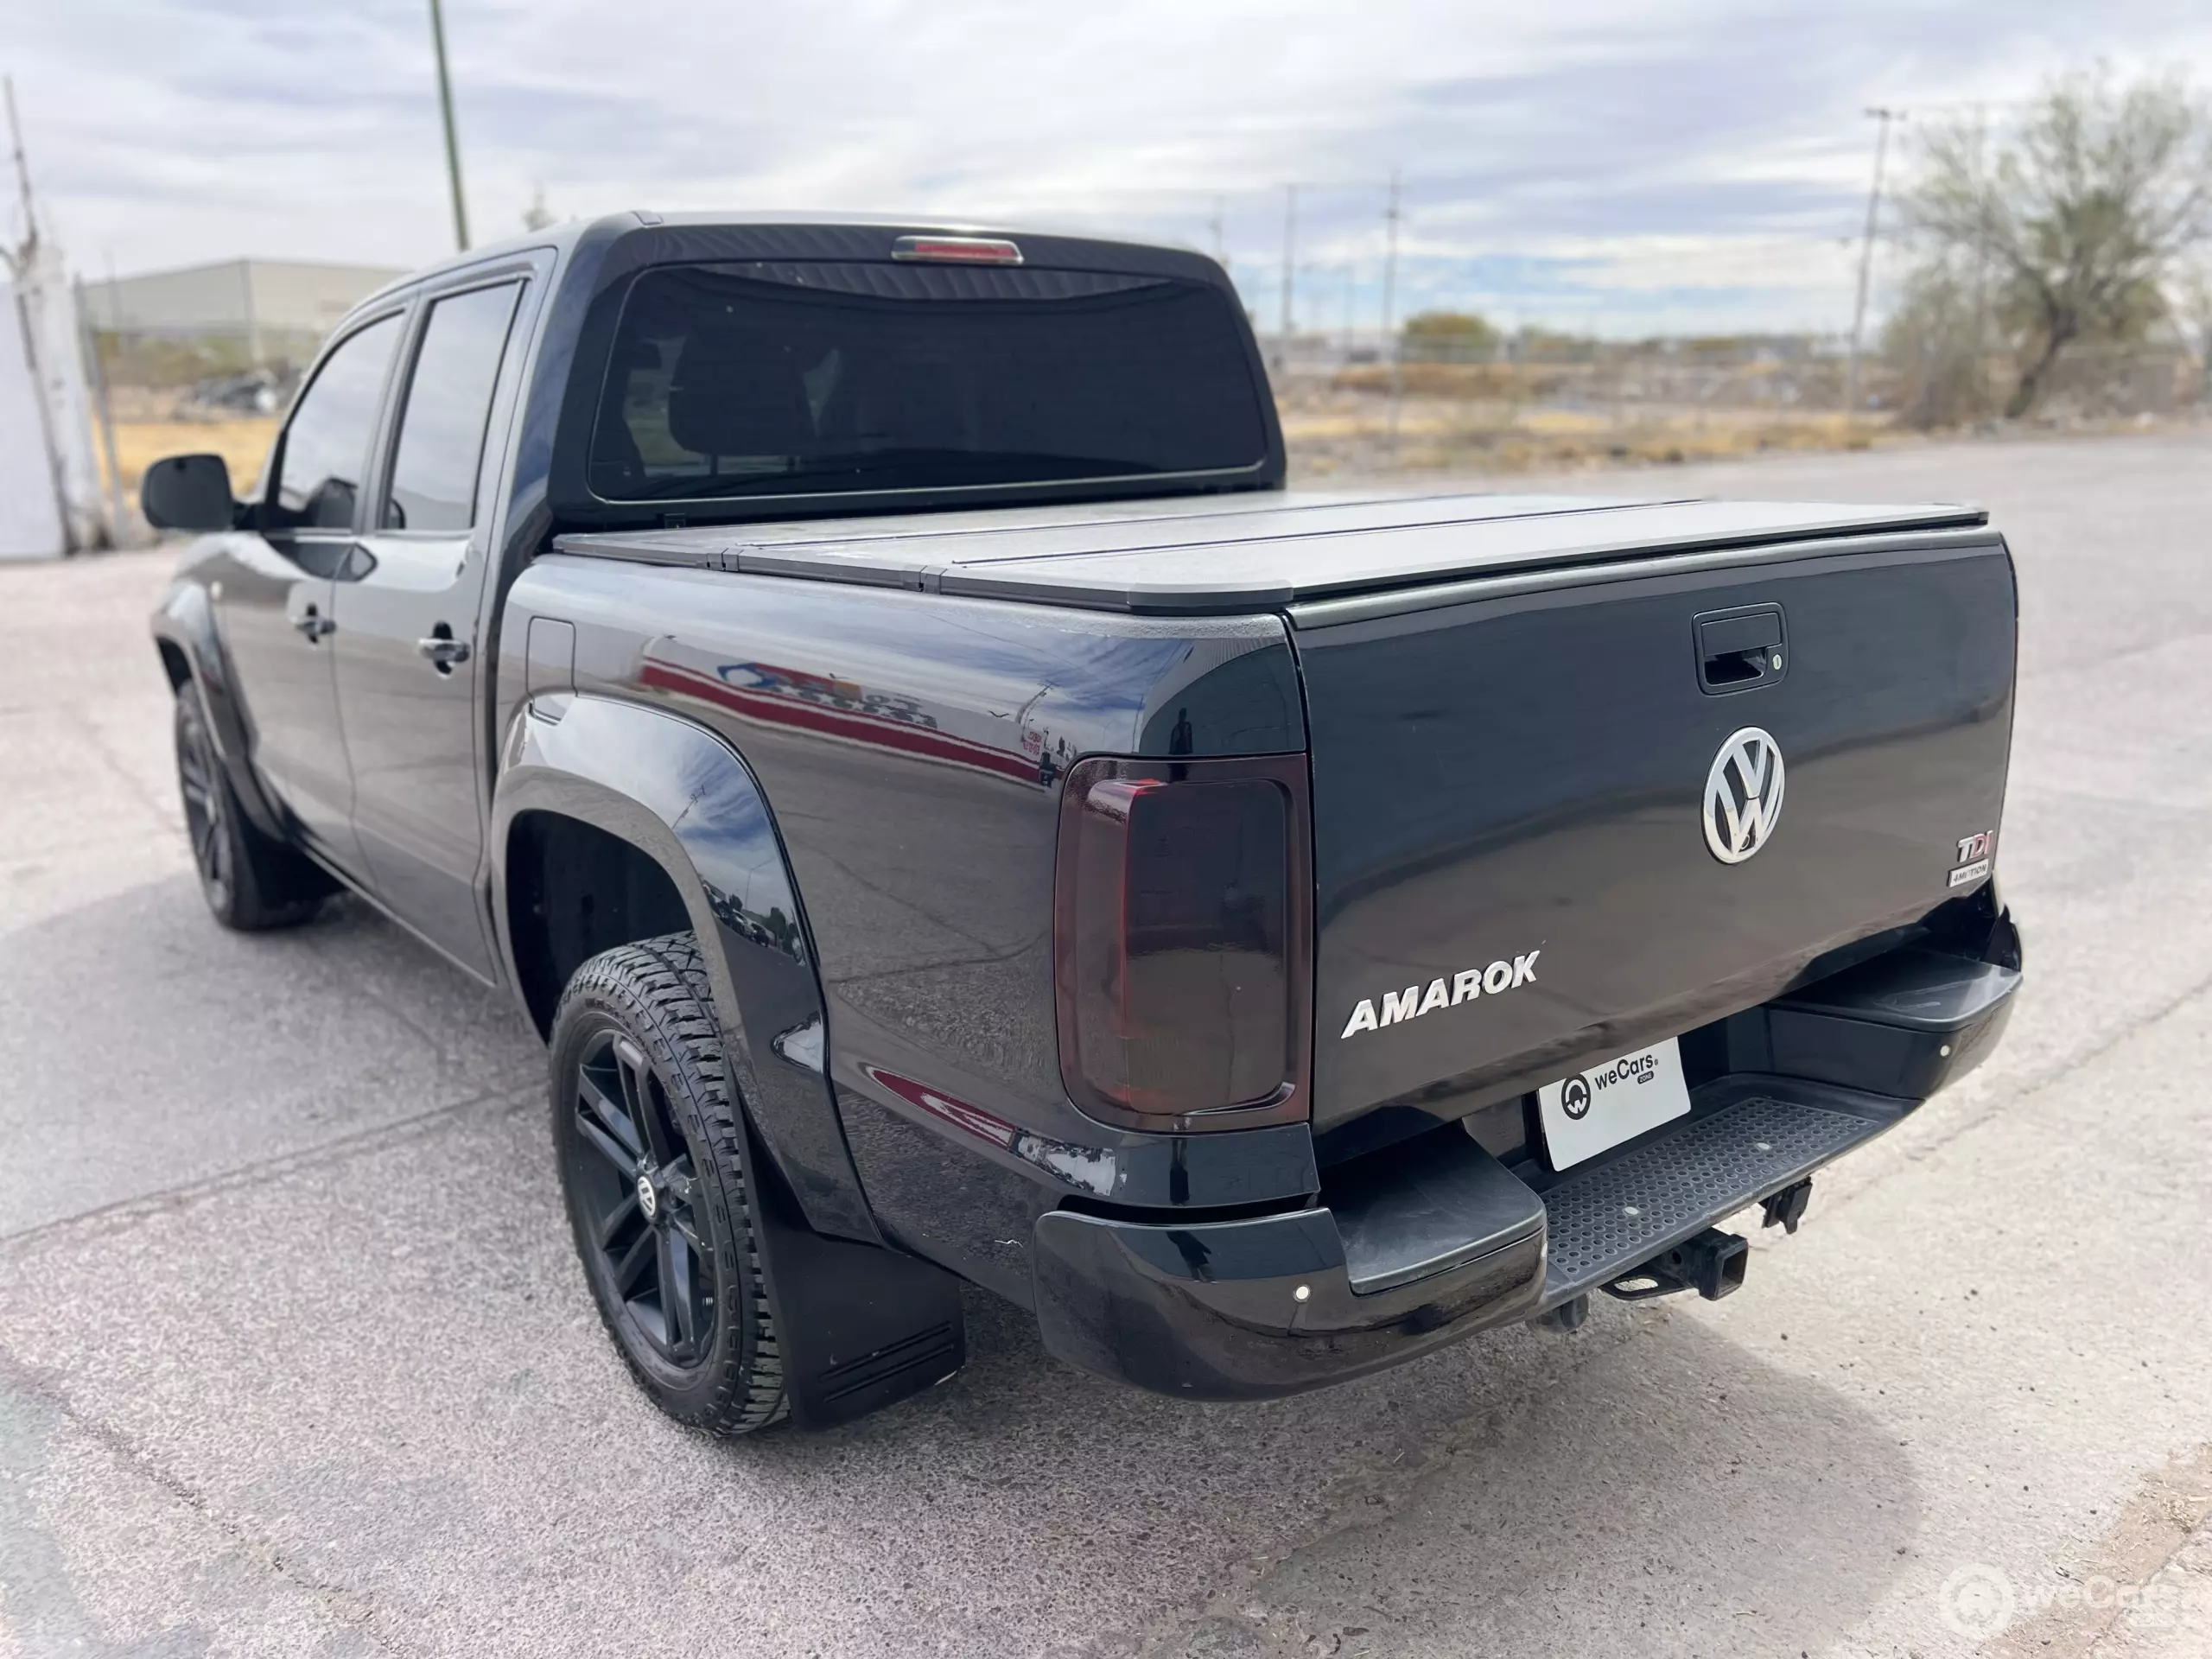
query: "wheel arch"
612, 822
191, 650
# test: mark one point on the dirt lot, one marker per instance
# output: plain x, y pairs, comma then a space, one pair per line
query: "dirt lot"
294, 1359
243, 444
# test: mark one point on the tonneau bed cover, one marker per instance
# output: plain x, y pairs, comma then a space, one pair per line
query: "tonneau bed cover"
1249, 551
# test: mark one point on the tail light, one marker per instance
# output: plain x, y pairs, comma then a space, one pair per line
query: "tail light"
1183, 941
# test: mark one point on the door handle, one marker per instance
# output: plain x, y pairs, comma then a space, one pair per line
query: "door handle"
1739, 649
443, 650
314, 625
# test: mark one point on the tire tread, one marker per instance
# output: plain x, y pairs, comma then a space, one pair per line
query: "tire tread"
664, 981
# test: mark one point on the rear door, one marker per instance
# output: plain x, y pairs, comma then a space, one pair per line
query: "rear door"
408, 654
1553, 826
277, 600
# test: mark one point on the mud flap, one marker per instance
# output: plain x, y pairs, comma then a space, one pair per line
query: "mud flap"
859, 1326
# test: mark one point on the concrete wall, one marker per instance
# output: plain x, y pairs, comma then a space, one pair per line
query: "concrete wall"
30, 511
50, 488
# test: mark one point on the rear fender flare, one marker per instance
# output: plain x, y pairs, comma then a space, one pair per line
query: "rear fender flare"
681, 796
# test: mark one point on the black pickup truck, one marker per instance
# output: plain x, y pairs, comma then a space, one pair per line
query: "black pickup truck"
953, 815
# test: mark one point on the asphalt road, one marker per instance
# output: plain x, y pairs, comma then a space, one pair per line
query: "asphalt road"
295, 1360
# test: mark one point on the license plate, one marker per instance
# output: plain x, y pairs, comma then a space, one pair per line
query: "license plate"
1584, 1114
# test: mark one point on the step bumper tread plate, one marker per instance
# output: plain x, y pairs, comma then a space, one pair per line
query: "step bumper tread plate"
1617, 1215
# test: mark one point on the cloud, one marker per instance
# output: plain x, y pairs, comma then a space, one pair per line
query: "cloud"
1642, 166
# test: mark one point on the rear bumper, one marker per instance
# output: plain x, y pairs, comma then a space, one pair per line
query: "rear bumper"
1434, 1240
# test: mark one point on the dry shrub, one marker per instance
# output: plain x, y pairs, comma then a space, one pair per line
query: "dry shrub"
1463, 380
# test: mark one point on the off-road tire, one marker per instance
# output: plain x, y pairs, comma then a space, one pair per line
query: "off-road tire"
655, 994
250, 881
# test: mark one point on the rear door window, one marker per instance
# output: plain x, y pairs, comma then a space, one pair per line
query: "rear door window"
802, 378
442, 428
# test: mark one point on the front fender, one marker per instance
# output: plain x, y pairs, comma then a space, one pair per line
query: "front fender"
185, 621
683, 797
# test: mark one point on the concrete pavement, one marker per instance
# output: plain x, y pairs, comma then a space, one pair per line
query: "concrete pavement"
294, 1359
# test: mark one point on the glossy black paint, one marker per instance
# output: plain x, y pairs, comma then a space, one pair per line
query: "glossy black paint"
1419, 1209
192, 649
1249, 702
1212, 1311
614, 251
190, 492
1308, 553
1434, 1240
894, 758
272, 604
1526, 773
333, 723
413, 723
671, 790
1909, 1023
911, 749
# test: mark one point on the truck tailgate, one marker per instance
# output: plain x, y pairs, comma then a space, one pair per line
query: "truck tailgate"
1514, 875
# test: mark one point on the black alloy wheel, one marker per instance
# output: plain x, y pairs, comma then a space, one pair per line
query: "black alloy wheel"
649, 1130
207, 804
249, 880
641, 1198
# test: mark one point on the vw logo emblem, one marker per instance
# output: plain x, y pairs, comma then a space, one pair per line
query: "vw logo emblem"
1743, 795
648, 1199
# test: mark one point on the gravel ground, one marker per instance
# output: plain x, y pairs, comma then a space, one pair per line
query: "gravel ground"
294, 1358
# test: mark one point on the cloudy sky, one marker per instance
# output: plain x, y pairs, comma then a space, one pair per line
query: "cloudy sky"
1614, 164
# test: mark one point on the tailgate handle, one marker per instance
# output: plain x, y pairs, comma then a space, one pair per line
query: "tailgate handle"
1737, 650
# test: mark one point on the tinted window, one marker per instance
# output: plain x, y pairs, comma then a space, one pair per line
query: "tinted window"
772, 380
327, 444
448, 404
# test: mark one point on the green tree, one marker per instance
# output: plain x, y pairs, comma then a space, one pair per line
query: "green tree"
2191, 304
2078, 220
1461, 331
1939, 339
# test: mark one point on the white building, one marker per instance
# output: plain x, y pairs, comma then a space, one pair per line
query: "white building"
278, 307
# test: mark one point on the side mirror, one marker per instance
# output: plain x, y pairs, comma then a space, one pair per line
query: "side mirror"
188, 493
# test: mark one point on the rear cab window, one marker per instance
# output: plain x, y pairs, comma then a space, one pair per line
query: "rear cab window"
781, 377
447, 409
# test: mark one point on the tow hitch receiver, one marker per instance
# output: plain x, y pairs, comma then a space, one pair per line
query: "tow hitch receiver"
1711, 1264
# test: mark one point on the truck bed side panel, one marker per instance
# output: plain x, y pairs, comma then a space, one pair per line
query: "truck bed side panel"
910, 748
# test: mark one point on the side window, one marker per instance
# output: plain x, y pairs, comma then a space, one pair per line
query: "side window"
448, 406
327, 444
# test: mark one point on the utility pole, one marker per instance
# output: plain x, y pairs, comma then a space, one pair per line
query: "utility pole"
1390, 218
1883, 116
22, 262
1219, 225
22, 175
1289, 267
453, 142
